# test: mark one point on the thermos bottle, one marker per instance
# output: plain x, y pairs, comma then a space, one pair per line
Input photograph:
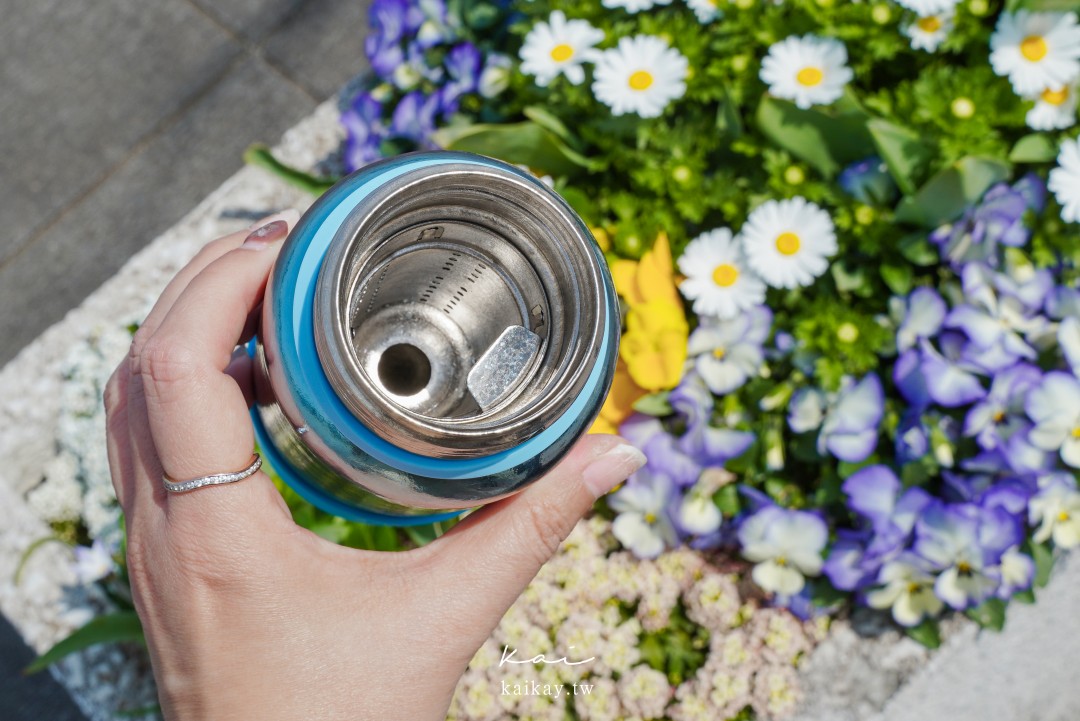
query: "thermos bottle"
437, 332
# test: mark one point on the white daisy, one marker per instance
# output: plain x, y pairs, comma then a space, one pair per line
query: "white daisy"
1054, 109
705, 10
717, 277
633, 6
929, 31
642, 75
558, 46
788, 242
809, 70
922, 8
1036, 51
1064, 180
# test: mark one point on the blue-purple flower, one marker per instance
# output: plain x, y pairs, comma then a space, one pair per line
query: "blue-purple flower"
988, 421
643, 524
923, 315
94, 562
463, 66
908, 591
785, 545
1054, 406
868, 181
727, 353
848, 420
965, 543
364, 130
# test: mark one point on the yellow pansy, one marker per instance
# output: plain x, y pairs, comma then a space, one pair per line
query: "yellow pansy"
654, 346
651, 278
620, 401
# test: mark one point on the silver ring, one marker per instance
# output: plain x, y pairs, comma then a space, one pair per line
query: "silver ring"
213, 480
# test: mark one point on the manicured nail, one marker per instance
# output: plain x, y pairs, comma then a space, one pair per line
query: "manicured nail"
261, 238
289, 215
612, 468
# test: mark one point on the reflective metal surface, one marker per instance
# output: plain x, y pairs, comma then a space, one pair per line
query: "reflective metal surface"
437, 332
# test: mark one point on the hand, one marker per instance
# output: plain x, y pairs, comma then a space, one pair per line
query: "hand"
249, 616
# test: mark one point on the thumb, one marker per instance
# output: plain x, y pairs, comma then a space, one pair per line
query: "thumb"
489, 558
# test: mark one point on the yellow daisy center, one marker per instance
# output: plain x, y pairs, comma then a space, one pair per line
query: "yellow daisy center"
719, 353
929, 24
641, 80
725, 275
810, 76
788, 243
561, 53
1055, 97
1033, 48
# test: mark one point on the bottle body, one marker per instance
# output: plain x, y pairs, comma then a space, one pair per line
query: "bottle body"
437, 332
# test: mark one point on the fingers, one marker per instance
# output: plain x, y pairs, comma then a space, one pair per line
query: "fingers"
196, 412
493, 554
207, 255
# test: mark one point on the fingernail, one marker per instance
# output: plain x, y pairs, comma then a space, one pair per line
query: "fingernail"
289, 215
612, 468
261, 238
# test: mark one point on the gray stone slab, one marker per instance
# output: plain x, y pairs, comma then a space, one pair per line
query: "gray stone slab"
251, 19
148, 194
321, 46
29, 698
83, 84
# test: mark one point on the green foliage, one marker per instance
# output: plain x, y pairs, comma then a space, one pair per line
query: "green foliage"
989, 614
928, 633
678, 650
121, 626
260, 156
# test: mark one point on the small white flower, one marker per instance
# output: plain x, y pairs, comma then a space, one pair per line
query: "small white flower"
633, 6
1054, 405
705, 10
923, 8
698, 514
641, 75
1056, 511
808, 71
908, 591
788, 242
717, 277
929, 31
786, 545
495, 76
558, 46
1036, 51
643, 525
1064, 180
1055, 109
93, 563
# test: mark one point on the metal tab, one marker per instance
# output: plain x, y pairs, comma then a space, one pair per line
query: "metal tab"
498, 371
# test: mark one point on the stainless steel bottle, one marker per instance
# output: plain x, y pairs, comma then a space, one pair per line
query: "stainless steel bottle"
438, 330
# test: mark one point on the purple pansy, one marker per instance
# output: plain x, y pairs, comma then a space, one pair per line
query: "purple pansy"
868, 181
923, 314
727, 353
463, 66
965, 543
414, 117
364, 131
987, 419
949, 379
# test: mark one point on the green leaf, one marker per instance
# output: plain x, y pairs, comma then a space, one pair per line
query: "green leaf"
898, 277
17, 576
582, 204
919, 250
823, 594
111, 628
1027, 596
655, 404
903, 151
260, 156
989, 614
1044, 563
727, 500
825, 142
543, 118
927, 633
526, 143
1034, 148
947, 194
1041, 5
